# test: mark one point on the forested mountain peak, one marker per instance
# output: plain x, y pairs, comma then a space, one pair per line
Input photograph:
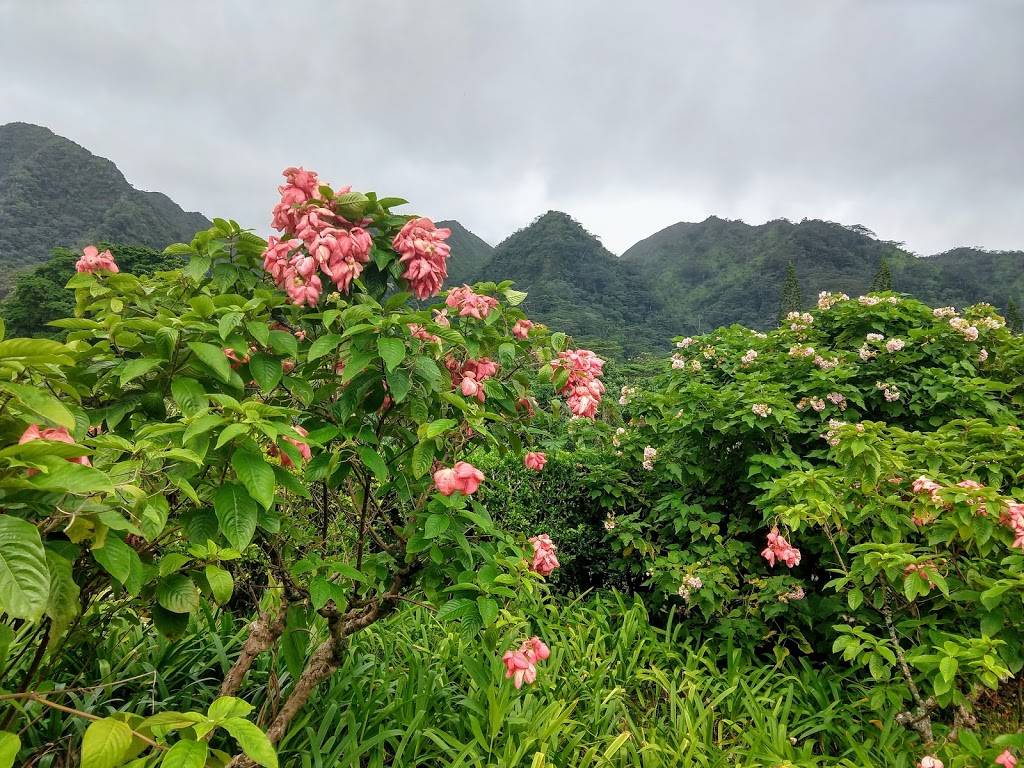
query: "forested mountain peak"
54, 192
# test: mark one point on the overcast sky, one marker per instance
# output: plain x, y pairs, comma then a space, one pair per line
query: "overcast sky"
906, 116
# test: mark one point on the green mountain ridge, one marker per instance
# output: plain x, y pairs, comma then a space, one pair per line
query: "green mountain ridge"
693, 277
469, 253
55, 193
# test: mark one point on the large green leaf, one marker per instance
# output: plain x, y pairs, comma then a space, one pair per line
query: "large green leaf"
68, 477
186, 754
105, 743
221, 583
178, 594
236, 513
189, 395
63, 602
323, 346
120, 561
39, 402
213, 358
34, 352
373, 460
132, 369
392, 351
255, 474
252, 740
266, 371
24, 577
9, 746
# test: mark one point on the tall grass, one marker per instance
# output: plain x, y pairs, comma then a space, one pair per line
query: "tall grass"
616, 691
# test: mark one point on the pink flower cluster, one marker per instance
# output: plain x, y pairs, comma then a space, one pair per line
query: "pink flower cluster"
583, 388
521, 330
57, 435
544, 558
469, 377
535, 460
780, 549
316, 239
422, 249
930, 762
521, 665
650, 454
463, 477
470, 304
94, 261
964, 328
1006, 759
1013, 517
749, 356
826, 300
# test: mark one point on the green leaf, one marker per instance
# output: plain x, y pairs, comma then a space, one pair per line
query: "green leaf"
392, 351
252, 740
230, 432
189, 395
488, 608
186, 754
132, 369
221, 583
514, 298
39, 402
35, 352
105, 743
68, 477
178, 594
228, 706
436, 524
213, 358
284, 343
256, 475
323, 346
120, 561
62, 604
373, 460
259, 331
399, 384
265, 370
422, 458
24, 577
9, 746
300, 388
236, 513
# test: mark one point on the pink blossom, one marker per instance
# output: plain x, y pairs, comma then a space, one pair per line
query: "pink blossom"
421, 333
544, 558
303, 291
299, 179
57, 435
780, 549
924, 485
1013, 517
583, 387
441, 318
470, 304
519, 668
521, 665
930, 762
422, 249
521, 329
475, 372
970, 484
277, 257
470, 387
463, 477
1006, 759
92, 261
535, 460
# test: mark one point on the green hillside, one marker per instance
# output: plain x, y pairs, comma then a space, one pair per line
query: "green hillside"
469, 253
54, 193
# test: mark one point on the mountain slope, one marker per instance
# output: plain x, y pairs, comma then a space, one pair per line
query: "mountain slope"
55, 193
719, 272
575, 285
468, 256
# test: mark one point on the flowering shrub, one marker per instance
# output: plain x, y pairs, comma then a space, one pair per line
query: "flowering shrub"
278, 404
848, 483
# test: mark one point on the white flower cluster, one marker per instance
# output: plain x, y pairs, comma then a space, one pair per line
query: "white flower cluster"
650, 454
799, 321
749, 357
944, 312
616, 438
816, 403
890, 391
798, 351
690, 584
827, 300
761, 409
826, 363
684, 343
626, 393
964, 328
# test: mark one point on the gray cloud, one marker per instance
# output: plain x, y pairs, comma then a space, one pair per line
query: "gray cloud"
903, 116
